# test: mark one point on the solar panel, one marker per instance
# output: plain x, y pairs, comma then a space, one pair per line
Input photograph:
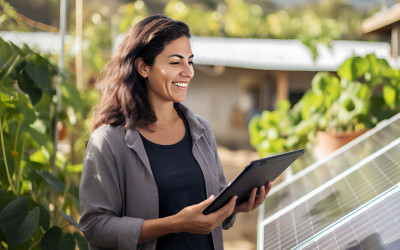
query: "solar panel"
374, 226
334, 199
326, 169
331, 189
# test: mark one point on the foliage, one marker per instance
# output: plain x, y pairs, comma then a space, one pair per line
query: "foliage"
130, 14
365, 91
9, 19
36, 204
97, 33
310, 23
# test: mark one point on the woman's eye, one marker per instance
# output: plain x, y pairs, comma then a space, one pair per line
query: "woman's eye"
175, 63
191, 62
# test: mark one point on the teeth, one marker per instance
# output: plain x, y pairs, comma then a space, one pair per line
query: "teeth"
180, 84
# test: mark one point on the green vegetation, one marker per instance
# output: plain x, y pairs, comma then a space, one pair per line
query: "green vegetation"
365, 92
310, 23
37, 205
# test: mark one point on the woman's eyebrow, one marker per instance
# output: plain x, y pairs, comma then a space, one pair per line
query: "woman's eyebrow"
180, 57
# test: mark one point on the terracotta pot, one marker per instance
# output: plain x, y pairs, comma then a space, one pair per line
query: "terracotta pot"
62, 131
328, 142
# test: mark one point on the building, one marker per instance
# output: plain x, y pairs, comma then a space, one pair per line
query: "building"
386, 23
236, 78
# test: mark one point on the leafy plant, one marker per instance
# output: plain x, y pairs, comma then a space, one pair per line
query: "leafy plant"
365, 91
37, 205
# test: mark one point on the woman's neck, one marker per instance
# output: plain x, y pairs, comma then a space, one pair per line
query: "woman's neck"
165, 113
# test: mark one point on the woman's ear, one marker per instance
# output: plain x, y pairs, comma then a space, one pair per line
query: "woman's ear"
141, 67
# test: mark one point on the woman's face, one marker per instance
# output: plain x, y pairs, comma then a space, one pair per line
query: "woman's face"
168, 78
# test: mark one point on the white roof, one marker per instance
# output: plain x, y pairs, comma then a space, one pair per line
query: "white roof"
276, 54
265, 54
45, 42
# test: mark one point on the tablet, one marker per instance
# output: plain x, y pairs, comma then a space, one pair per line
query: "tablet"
256, 174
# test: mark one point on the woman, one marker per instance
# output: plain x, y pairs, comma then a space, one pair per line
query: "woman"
151, 163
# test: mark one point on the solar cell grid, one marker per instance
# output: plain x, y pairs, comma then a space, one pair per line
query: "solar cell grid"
290, 192
334, 200
375, 228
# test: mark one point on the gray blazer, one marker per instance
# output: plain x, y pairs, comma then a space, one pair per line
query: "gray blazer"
118, 190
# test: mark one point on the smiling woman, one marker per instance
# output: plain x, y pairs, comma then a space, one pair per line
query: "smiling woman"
151, 163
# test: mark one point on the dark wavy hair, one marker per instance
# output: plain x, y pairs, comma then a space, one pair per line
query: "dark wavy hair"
123, 89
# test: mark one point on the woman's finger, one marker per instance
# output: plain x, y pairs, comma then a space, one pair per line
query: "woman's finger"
261, 196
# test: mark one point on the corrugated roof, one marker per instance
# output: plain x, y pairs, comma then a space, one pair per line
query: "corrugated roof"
265, 54
45, 42
275, 54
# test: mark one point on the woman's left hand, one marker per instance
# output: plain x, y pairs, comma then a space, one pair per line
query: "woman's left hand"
254, 201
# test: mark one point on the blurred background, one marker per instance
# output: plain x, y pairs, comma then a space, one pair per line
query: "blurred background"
269, 76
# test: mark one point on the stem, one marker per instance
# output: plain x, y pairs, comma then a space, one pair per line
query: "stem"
5, 160
16, 163
16, 137
34, 244
19, 165
66, 225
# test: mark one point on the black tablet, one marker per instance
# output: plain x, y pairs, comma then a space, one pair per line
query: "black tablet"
256, 174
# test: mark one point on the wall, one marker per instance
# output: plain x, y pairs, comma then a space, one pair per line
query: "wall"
227, 97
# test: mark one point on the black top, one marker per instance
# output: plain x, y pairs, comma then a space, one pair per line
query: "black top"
180, 183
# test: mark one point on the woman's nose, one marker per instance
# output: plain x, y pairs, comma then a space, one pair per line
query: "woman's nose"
188, 71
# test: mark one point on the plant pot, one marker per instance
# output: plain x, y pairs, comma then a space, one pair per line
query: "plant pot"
328, 142
62, 131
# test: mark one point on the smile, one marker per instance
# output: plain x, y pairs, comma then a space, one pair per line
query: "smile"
180, 84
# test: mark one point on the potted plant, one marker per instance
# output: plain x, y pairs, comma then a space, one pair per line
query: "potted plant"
365, 91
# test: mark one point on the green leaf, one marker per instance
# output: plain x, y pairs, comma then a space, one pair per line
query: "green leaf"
326, 86
44, 219
389, 95
5, 198
69, 219
38, 69
74, 191
17, 222
39, 138
67, 242
72, 96
6, 52
353, 68
7, 71
51, 239
82, 243
27, 85
76, 168
52, 180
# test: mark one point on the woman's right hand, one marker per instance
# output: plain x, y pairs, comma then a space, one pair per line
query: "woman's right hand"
192, 220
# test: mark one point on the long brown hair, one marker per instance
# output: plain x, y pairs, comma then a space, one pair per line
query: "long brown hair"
123, 90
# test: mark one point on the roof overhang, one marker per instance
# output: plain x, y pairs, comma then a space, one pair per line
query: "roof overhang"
382, 21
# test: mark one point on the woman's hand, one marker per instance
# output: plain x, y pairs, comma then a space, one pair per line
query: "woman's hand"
254, 201
191, 219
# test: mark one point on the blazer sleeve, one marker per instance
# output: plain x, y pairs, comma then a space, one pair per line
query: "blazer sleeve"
101, 202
